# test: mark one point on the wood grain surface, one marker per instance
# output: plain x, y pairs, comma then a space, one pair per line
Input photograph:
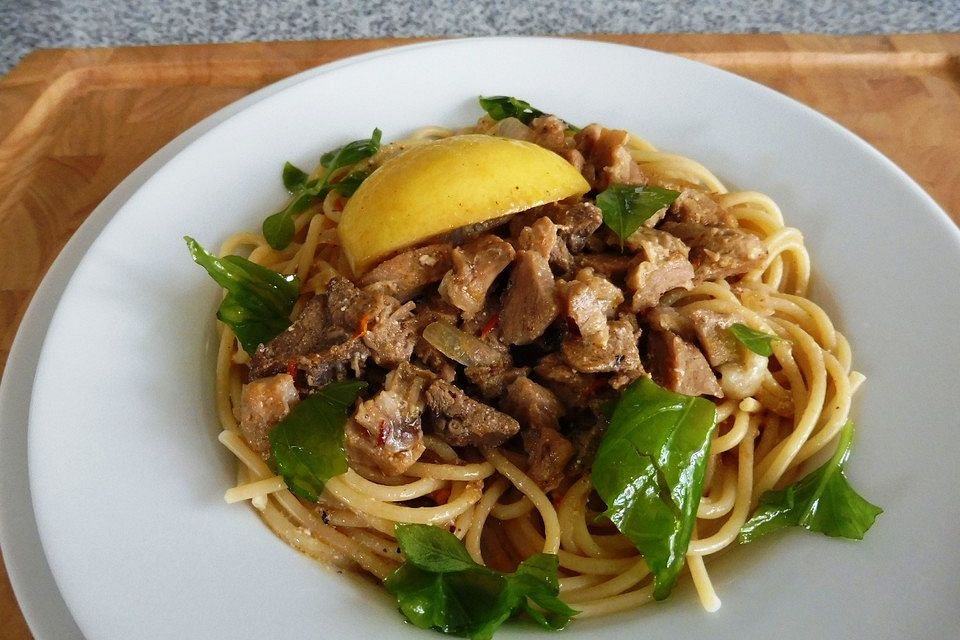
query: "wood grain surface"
75, 122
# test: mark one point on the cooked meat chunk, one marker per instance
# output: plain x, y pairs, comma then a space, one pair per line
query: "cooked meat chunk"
349, 307
468, 232
264, 403
570, 386
620, 353
529, 304
697, 207
408, 274
384, 434
607, 159
661, 265
409, 382
589, 301
392, 336
338, 361
612, 266
718, 252
492, 381
533, 405
549, 132
711, 330
574, 222
313, 344
669, 319
548, 455
680, 366
543, 237
462, 421
325, 340
538, 412
475, 266
540, 236
310, 333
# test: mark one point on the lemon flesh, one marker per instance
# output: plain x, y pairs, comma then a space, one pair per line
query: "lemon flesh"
447, 184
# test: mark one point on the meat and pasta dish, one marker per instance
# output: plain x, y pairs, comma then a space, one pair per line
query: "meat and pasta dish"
527, 368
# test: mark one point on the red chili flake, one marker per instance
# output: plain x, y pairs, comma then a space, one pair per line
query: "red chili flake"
490, 325
382, 435
292, 368
441, 496
362, 327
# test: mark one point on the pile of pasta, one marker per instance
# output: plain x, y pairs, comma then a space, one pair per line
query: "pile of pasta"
762, 441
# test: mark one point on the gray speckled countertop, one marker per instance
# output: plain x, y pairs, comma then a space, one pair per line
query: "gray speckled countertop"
26, 25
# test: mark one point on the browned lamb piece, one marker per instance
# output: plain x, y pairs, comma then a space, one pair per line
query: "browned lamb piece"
385, 433
408, 274
543, 237
264, 403
679, 366
538, 412
661, 264
589, 301
712, 331
718, 252
529, 304
476, 265
337, 331
575, 222
572, 387
460, 420
697, 207
606, 158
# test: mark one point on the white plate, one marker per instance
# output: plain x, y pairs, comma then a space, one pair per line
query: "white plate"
127, 477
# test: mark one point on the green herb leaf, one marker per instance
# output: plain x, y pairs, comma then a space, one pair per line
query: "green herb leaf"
823, 501
649, 470
757, 341
625, 208
500, 107
279, 228
307, 445
348, 186
258, 302
441, 587
294, 178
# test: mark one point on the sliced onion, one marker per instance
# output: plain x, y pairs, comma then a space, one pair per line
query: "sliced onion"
460, 346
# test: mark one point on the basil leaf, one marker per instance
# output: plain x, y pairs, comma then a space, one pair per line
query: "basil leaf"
433, 549
348, 186
352, 152
625, 208
757, 341
822, 501
258, 302
279, 228
441, 587
294, 178
500, 107
307, 445
649, 470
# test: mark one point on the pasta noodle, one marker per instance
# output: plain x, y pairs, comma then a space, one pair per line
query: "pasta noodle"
778, 413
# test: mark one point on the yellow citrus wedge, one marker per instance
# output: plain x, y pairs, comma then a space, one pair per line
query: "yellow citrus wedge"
444, 185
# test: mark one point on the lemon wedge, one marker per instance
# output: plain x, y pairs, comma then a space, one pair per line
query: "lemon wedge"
447, 184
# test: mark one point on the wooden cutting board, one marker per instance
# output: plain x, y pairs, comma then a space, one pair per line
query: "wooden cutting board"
75, 122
